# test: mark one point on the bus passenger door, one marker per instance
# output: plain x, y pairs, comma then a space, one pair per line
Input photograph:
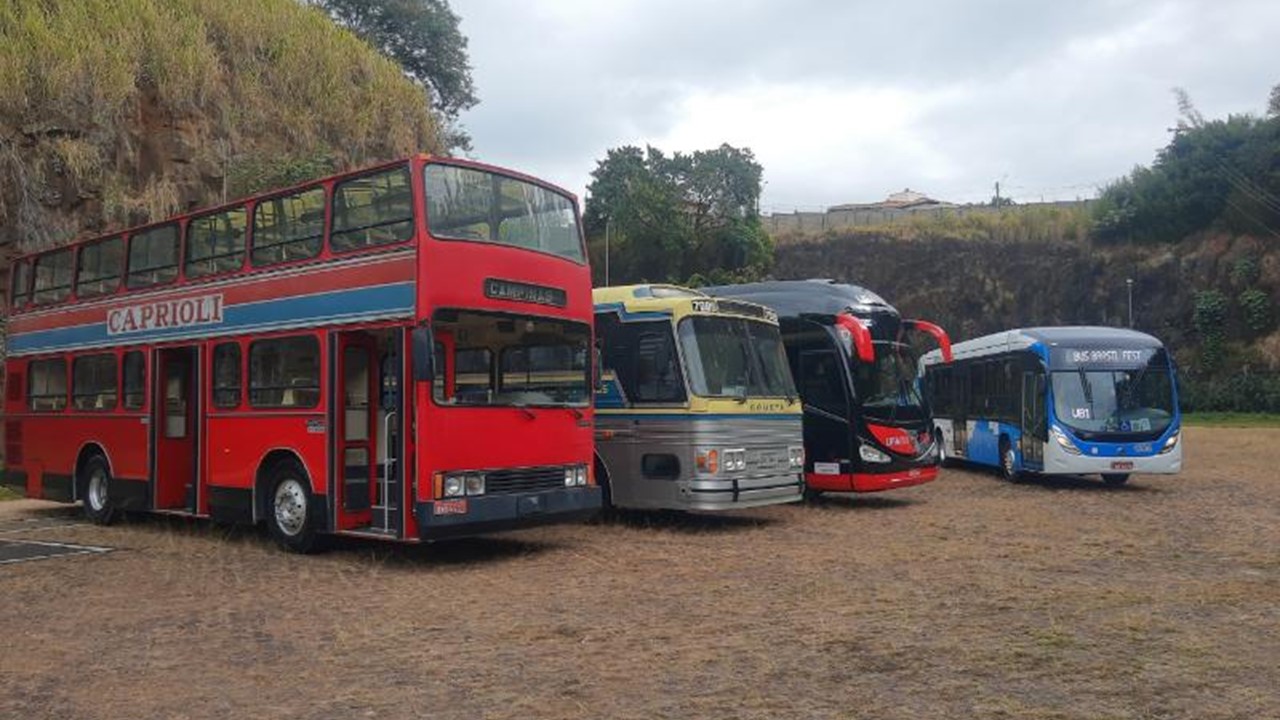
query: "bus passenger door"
174, 424
1034, 420
357, 429
960, 417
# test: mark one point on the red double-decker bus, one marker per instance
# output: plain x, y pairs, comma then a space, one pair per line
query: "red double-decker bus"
400, 352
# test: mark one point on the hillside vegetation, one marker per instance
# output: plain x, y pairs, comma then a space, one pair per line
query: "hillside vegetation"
115, 112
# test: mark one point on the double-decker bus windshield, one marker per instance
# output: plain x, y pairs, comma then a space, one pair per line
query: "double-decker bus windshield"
1094, 403
887, 388
511, 361
732, 357
470, 204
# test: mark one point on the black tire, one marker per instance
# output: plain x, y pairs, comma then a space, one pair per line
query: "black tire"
1115, 479
943, 459
811, 494
96, 481
607, 510
289, 510
1008, 462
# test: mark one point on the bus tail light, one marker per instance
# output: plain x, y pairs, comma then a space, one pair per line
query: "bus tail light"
1171, 443
1063, 441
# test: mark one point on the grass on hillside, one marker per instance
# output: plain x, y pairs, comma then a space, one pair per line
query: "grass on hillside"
1231, 420
7, 494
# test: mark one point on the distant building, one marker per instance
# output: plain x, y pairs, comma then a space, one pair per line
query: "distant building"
908, 199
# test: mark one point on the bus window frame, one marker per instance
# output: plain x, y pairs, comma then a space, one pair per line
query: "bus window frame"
326, 189
178, 225
71, 251
246, 242
331, 213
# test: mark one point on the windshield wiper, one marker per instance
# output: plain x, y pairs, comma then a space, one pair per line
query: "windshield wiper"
524, 408
576, 412
1086, 387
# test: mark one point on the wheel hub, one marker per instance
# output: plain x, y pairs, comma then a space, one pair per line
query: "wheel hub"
291, 507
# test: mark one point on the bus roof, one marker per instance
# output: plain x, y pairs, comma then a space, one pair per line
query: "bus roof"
675, 301
1066, 335
794, 298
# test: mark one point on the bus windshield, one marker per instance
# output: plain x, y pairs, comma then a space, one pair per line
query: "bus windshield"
469, 204
1094, 403
733, 357
511, 361
887, 389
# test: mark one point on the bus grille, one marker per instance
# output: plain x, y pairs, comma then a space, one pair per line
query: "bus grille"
517, 480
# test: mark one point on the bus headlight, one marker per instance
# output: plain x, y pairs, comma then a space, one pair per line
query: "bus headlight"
871, 455
734, 460
454, 486
1063, 441
1171, 443
575, 475
474, 484
795, 455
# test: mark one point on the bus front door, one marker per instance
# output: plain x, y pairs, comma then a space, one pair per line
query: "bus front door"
357, 429
173, 420
1034, 421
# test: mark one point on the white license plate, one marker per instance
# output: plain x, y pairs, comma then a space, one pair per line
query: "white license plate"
1121, 464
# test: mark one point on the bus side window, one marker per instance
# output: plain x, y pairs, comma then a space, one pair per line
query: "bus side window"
135, 380
821, 384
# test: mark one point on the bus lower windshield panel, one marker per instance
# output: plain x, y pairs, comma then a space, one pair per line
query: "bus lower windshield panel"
1136, 403
510, 361
732, 357
887, 390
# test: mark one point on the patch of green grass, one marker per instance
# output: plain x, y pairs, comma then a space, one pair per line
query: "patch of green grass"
7, 494
1231, 419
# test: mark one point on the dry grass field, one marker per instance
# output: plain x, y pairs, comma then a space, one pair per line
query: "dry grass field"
965, 598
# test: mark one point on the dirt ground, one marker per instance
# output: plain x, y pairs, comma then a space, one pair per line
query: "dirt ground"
964, 598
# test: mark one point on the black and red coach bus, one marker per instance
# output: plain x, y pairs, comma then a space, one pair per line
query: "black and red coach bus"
867, 426
398, 352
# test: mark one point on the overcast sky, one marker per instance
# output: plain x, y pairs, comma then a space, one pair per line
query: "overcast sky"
847, 101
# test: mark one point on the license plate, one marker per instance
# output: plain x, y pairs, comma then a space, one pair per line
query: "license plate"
1121, 464
450, 507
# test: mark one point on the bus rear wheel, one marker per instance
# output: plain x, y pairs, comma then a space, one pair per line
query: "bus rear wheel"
97, 496
1115, 479
289, 510
1008, 462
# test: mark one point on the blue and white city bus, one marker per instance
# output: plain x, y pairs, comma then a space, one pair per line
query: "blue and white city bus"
1058, 400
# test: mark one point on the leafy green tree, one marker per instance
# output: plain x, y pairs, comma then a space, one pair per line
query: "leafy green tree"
669, 217
423, 37
1212, 173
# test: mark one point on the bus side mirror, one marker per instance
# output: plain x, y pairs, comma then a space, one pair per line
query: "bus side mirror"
424, 348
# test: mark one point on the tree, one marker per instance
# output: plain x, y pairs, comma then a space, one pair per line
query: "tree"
424, 38
669, 217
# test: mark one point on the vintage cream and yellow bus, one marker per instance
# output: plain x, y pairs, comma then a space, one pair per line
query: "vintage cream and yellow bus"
695, 408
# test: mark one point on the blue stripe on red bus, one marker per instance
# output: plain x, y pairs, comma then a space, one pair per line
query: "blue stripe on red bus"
306, 311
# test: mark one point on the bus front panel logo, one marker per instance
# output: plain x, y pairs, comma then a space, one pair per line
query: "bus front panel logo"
163, 314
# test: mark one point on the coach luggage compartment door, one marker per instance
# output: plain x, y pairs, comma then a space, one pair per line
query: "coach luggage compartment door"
174, 424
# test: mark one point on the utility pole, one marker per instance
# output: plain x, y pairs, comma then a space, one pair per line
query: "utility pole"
608, 222
1129, 284
997, 193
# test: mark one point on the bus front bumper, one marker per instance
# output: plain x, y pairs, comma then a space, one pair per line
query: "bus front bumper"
740, 493
1058, 462
478, 515
872, 482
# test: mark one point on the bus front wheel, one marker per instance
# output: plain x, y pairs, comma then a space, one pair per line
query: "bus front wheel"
1008, 461
289, 516
1115, 479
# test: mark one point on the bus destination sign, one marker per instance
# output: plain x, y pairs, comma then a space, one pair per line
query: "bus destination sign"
524, 292
1102, 356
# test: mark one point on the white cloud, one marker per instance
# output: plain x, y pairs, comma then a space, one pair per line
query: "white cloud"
846, 101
